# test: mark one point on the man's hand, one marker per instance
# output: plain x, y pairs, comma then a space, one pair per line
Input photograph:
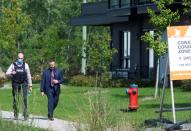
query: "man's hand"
13, 72
30, 88
42, 93
55, 81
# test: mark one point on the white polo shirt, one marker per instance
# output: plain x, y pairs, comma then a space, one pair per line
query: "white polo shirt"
11, 69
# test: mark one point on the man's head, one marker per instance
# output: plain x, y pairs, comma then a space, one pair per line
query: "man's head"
20, 55
20, 59
52, 64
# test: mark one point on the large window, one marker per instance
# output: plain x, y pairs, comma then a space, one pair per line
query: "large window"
114, 3
125, 3
126, 49
151, 53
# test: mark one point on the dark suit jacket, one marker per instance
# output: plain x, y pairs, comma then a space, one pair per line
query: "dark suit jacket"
45, 81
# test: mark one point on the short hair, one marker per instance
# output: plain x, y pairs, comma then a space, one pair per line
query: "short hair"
51, 60
20, 53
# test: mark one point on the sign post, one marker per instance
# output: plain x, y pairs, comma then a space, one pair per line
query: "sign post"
179, 50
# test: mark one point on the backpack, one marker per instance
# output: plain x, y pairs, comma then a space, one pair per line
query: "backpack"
21, 75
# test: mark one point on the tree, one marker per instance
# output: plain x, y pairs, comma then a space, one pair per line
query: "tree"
187, 4
13, 26
99, 53
51, 35
160, 21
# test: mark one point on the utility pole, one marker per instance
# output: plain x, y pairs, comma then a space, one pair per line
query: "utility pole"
84, 38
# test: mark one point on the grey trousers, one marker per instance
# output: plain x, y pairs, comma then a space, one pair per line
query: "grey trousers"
22, 89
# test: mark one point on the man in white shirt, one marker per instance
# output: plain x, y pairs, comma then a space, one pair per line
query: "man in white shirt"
19, 72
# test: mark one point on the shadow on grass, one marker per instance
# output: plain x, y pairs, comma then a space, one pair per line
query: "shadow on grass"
77, 91
144, 96
183, 104
127, 96
38, 118
121, 96
154, 105
127, 110
8, 118
157, 106
185, 90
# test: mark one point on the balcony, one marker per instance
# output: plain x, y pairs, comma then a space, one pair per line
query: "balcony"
94, 8
96, 14
113, 4
107, 12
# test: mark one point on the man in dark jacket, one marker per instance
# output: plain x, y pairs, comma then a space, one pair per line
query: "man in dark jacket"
50, 85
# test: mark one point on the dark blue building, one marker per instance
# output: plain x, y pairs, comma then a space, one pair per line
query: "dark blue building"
128, 20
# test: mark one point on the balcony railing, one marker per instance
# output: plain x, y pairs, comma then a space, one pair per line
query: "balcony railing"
126, 3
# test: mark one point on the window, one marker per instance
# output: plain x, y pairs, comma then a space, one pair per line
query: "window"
144, 1
114, 3
151, 53
125, 3
126, 49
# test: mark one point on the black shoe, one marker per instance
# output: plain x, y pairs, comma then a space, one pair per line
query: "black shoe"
51, 118
26, 117
15, 117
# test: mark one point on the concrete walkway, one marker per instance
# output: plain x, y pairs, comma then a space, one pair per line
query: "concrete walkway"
40, 122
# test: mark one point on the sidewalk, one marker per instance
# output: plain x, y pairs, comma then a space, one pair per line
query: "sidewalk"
40, 122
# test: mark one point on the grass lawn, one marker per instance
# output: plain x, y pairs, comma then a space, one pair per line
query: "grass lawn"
5, 126
74, 104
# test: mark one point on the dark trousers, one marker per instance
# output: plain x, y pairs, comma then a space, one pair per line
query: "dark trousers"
22, 89
53, 98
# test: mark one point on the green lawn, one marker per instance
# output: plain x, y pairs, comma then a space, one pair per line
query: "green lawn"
74, 104
5, 126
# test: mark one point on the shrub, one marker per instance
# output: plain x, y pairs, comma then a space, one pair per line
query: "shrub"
100, 116
185, 84
122, 82
2, 81
118, 82
82, 80
36, 78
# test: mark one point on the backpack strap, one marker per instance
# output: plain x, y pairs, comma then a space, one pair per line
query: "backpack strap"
23, 66
15, 65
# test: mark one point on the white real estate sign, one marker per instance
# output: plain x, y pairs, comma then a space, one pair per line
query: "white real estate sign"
179, 49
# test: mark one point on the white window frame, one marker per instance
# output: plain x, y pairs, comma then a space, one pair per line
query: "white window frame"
126, 49
151, 53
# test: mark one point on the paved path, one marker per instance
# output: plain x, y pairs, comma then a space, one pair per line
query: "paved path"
40, 122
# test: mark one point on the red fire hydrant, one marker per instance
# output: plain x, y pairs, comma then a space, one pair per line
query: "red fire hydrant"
133, 97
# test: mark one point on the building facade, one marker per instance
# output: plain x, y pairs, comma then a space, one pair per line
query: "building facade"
128, 20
